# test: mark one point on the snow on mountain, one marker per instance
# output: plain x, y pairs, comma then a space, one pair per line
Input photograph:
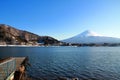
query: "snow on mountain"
87, 33
91, 37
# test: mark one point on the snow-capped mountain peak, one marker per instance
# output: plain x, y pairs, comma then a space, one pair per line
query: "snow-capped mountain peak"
88, 33
91, 37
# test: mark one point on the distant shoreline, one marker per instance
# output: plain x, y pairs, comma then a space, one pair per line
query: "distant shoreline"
17, 46
26, 46
58, 46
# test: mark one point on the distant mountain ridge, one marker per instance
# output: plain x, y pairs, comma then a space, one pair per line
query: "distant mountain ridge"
91, 37
13, 36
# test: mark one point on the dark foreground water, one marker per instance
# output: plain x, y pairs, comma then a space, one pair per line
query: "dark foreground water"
86, 63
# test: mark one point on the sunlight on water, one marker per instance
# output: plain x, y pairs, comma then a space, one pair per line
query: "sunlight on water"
99, 63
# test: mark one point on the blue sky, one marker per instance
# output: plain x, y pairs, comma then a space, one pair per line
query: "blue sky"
62, 18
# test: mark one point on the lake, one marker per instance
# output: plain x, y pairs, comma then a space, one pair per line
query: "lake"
93, 63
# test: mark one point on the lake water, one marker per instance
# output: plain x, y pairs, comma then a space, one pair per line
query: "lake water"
93, 63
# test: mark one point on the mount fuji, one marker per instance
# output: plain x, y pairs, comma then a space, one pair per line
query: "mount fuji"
91, 37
